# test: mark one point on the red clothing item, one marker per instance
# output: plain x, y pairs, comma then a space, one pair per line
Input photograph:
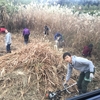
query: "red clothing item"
87, 51
2, 30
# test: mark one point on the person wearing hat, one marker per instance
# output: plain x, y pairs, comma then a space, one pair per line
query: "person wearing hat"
84, 66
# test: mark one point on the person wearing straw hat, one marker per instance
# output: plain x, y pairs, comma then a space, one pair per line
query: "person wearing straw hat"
84, 66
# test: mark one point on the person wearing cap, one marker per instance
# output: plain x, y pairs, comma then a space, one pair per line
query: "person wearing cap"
87, 50
26, 33
8, 41
84, 66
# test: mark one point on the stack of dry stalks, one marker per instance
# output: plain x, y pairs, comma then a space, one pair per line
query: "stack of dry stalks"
32, 69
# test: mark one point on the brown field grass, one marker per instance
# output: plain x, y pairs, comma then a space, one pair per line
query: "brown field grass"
77, 31
31, 70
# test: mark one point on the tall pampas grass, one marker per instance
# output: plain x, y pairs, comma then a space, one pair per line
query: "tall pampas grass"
78, 30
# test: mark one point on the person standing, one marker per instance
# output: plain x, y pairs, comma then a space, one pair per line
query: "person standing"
46, 30
26, 33
83, 65
8, 41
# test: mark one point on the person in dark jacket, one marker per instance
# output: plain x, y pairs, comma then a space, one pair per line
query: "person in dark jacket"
87, 50
84, 66
46, 30
26, 33
59, 41
58, 36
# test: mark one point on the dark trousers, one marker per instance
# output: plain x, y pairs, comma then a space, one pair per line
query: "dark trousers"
46, 33
61, 44
82, 82
8, 48
26, 38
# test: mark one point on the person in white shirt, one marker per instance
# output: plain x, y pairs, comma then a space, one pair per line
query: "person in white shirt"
8, 41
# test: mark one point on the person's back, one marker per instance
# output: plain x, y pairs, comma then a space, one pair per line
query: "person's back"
26, 31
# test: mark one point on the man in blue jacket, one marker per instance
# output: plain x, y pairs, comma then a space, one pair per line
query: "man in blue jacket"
58, 36
59, 41
83, 65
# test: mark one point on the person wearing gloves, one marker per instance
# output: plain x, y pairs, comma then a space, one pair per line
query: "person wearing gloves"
83, 65
8, 41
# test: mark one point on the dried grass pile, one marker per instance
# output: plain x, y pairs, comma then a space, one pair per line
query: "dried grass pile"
28, 73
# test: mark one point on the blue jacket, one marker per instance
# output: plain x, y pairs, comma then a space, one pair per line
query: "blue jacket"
57, 35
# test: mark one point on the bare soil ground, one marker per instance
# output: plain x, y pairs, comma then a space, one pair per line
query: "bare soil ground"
19, 80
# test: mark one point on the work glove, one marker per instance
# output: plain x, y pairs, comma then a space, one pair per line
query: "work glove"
91, 75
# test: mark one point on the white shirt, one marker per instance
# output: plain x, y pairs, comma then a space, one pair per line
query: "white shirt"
8, 38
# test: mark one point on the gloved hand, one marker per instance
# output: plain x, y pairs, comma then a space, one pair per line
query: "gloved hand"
91, 75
